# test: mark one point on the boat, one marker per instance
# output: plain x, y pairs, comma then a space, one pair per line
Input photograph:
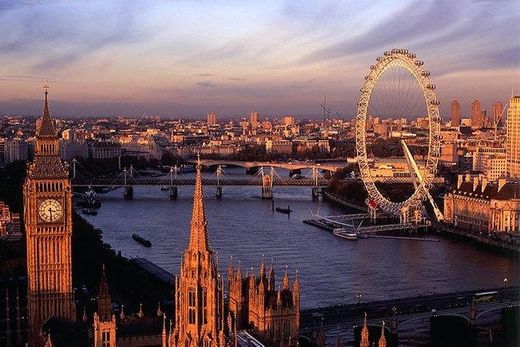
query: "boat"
345, 234
90, 199
284, 210
141, 240
89, 211
165, 188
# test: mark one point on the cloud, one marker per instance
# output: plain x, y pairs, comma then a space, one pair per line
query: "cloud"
206, 84
303, 84
61, 34
237, 79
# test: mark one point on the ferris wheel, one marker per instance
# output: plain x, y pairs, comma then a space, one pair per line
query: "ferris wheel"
402, 62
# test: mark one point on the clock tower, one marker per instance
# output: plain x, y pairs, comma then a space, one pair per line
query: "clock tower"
47, 197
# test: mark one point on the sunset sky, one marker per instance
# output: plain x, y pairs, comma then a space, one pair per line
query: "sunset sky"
186, 58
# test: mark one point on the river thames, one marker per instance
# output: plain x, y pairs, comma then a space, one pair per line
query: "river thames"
331, 270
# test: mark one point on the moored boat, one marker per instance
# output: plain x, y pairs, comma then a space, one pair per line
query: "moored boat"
345, 234
89, 211
284, 210
141, 240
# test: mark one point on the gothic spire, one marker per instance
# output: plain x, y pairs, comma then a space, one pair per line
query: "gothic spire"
198, 233
163, 335
364, 334
382, 339
286, 278
46, 126
104, 300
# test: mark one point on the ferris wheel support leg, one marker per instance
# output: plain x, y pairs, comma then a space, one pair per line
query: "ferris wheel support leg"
416, 173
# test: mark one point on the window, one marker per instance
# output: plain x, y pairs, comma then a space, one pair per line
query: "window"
286, 329
191, 306
204, 306
105, 339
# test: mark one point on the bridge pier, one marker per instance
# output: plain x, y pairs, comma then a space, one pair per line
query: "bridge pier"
218, 192
472, 314
128, 193
173, 193
267, 184
267, 192
316, 191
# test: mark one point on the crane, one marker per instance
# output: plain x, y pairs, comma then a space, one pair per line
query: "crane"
326, 111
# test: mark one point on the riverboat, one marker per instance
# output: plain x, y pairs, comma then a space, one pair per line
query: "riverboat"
141, 240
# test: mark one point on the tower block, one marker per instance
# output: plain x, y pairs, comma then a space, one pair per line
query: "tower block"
47, 196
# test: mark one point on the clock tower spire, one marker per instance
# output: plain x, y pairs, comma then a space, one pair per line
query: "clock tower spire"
47, 194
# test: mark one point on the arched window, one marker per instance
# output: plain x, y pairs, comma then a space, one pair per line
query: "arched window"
204, 306
191, 306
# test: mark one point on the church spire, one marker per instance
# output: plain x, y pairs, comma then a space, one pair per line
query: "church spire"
198, 233
46, 127
104, 299
382, 339
364, 334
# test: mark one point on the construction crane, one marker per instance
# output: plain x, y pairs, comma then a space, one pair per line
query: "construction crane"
326, 111
140, 119
499, 118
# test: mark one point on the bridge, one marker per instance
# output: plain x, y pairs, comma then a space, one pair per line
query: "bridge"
404, 314
293, 165
129, 178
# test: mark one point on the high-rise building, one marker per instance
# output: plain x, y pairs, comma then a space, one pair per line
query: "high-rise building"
48, 225
476, 115
255, 116
498, 108
199, 297
513, 137
455, 113
212, 119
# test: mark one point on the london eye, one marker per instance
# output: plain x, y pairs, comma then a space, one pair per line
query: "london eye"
398, 87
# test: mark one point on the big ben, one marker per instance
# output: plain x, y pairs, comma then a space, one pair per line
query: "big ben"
48, 225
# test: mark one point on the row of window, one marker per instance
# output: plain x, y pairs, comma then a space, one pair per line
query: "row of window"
192, 306
49, 186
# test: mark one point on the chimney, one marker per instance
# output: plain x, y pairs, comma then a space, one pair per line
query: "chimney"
501, 183
460, 180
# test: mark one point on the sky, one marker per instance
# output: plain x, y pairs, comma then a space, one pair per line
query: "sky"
187, 58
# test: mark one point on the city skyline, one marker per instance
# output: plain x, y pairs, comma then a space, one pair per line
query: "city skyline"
186, 59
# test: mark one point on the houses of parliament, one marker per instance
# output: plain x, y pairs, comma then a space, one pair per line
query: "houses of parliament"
202, 313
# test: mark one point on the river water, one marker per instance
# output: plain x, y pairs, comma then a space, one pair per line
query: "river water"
331, 270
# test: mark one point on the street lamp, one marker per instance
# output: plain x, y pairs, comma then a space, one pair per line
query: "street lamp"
358, 296
505, 281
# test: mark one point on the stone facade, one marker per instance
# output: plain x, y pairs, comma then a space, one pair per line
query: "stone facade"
255, 303
48, 225
483, 206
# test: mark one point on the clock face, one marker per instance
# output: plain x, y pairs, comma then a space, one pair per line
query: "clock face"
50, 210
